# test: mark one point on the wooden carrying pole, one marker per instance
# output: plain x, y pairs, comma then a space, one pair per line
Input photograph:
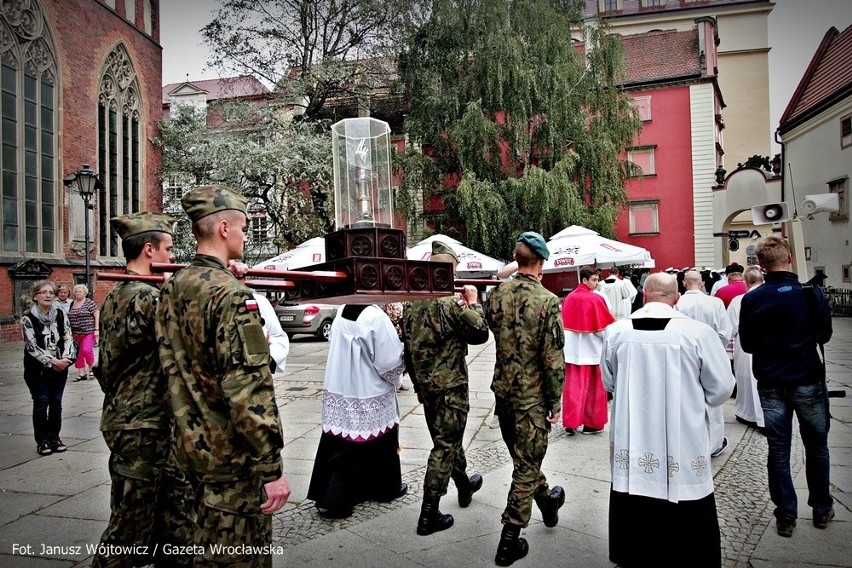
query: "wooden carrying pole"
159, 279
318, 275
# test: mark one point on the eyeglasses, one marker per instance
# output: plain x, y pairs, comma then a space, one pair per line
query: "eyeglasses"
49, 292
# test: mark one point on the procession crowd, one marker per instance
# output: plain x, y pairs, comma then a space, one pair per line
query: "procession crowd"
195, 435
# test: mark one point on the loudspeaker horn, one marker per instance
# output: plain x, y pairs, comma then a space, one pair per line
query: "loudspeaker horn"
820, 203
770, 213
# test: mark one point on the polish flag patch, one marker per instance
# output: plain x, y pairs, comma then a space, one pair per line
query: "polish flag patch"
251, 305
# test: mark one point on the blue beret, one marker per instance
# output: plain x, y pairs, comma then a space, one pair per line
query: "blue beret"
536, 243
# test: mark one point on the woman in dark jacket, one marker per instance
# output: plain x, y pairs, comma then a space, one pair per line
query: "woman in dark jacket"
48, 352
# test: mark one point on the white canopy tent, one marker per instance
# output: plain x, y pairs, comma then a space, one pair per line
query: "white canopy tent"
309, 252
472, 263
575, 246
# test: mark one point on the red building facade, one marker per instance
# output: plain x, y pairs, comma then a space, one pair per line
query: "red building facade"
80, 84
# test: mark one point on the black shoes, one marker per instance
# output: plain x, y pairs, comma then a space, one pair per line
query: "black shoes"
431, 519
511, 546
570, 431
57, 446
467, 486
44, 449
785, 528
718, 451
550, 505
821, 521
590, 430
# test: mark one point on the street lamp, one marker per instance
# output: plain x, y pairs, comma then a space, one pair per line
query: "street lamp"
87, 183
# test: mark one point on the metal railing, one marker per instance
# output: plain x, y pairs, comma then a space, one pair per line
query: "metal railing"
839, 300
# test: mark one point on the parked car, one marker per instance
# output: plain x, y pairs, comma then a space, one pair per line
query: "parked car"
312, 319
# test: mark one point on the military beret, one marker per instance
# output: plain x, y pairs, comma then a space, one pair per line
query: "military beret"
732, 268
536, 243
143, 222
205, 200
439, 247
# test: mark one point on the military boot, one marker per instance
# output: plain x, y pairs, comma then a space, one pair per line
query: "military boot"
550, 504
467, 486
431, 520
511, 546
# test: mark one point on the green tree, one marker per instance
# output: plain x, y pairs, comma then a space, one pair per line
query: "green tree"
533, 123
311, 50
283, 167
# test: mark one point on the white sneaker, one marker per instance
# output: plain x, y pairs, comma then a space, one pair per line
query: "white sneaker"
494, 422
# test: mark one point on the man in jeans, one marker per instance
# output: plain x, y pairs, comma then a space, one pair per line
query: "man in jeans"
783, 325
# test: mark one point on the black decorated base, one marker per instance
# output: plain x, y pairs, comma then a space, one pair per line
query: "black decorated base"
376, 280
365, 242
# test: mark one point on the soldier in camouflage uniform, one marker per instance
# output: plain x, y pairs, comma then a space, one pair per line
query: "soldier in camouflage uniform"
147, 503
436, 334
527, 385
212, 347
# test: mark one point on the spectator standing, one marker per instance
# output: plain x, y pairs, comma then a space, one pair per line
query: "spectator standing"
784, 326
358, 454
148, 505
663, 369
584, 316
748, 410
436, 334
49, 350
83, 315
735, 287
704, 308
527, 385
63, 300
227, 432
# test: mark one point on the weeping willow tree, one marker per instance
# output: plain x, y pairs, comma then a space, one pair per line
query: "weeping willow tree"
531, 122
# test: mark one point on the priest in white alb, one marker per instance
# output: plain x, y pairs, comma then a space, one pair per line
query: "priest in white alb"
663, 368
702, 307
748, 410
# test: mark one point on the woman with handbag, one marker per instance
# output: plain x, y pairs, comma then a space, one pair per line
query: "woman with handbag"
49, 350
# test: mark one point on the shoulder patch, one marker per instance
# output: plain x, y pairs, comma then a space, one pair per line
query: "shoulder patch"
251, 305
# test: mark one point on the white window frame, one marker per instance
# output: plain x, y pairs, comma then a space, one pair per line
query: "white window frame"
654, 205
650, 151
640, 104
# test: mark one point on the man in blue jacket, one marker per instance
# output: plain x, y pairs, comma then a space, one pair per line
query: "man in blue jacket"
784, 325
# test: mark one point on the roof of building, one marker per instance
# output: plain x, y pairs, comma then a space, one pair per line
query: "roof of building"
222, 88
635, 8
827, 79
661, 55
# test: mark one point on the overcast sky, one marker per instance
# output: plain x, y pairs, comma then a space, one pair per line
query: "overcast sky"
796, 28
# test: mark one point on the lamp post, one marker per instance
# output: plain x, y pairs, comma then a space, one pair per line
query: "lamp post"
87, 183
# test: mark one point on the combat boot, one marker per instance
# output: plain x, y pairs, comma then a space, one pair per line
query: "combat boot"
511, 546
467, 486
431, 520
549, 505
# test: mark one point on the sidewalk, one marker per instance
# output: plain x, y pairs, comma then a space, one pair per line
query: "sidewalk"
53, 507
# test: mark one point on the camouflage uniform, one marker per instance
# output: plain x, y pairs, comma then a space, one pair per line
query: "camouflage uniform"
136, 425
436, 334
228, 432
527, 385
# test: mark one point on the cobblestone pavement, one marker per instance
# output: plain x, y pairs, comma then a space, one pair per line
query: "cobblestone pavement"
742, 497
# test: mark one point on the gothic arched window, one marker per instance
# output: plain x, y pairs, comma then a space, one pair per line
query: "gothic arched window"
119, 135
29, 199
